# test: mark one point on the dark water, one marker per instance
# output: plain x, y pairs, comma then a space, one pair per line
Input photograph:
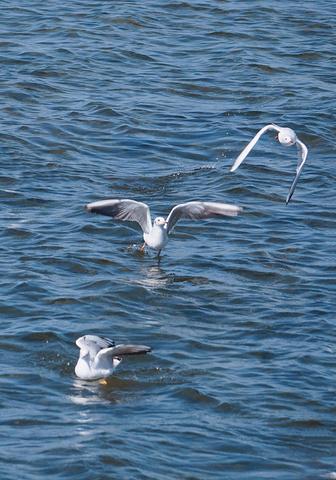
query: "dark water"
153, 101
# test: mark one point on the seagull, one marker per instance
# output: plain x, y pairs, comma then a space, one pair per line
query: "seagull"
287, 137
156, 235
100, 356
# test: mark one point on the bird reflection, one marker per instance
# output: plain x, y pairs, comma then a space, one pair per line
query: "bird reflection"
89, 393
155, 277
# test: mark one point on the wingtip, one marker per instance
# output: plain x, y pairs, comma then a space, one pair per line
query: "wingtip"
238, 161
90, 206
290, 195
238, 211
233, 210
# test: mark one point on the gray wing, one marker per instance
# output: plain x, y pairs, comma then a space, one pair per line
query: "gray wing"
125, 209
120, 350
241, 157
200, 211
302, 153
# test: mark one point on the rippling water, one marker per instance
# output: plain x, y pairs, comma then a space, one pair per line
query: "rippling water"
153, 101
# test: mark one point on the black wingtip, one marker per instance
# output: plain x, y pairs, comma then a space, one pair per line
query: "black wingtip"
91, 208
146, 349
289, 196
121, 350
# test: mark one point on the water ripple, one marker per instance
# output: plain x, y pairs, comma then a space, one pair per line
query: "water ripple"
154, 102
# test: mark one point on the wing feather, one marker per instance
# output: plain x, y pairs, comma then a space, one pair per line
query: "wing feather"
121, 350
241, 157
92, 344
200, 211
302, 154
125, 209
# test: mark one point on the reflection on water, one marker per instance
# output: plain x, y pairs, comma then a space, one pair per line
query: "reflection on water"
155, 277
88, 393
153, 102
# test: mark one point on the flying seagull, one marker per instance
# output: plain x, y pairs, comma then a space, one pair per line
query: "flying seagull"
287, 137
100, 356
156, 235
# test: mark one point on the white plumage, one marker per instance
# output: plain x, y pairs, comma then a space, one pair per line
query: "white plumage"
99, 356
156, 235
287, 137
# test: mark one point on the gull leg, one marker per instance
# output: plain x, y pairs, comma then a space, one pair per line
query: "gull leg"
142, 248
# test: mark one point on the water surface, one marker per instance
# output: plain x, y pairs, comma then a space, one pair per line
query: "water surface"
153, 101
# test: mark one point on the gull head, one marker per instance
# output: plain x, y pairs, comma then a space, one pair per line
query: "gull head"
287, 137
160, 221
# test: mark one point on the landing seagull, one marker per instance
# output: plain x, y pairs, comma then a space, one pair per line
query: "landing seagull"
156, 235
100, 356
287, 137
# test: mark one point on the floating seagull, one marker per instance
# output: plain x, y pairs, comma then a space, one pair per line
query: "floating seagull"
100, 356
287, 137
156, 235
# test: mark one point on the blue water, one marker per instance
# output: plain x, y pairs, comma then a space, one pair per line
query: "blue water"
153, 101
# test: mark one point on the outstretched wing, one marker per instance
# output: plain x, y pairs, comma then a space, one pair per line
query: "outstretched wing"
241, 157
121, 350
125, 209
92, 344
302, 153
200, 211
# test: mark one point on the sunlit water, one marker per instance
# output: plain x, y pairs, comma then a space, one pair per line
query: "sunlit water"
152, 101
